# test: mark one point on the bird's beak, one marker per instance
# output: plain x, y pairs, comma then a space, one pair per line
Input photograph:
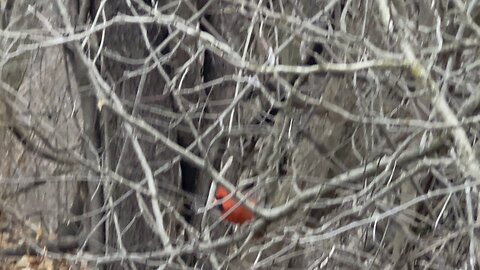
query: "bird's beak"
217, 204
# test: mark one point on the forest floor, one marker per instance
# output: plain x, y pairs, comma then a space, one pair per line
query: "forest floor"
13, 236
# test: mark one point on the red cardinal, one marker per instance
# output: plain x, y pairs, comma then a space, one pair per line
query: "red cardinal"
240, 214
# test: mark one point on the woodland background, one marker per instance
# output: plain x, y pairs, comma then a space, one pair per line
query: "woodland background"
353, 124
